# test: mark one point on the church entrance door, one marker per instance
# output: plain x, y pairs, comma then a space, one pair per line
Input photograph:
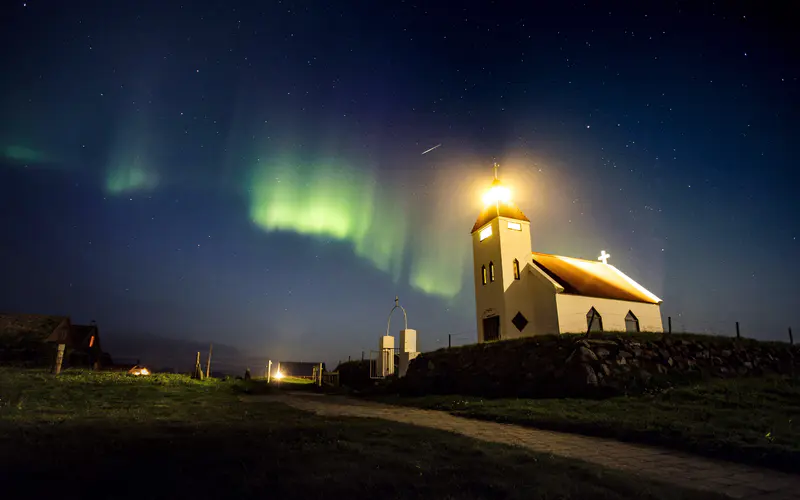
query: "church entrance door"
491, 328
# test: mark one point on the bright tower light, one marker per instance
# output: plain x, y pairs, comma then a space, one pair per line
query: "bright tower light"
497, 194
278, 375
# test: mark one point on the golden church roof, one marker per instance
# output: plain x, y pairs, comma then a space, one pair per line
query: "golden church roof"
592, 278
498, 210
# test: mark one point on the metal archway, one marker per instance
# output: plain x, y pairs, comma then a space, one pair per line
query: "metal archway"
405, 316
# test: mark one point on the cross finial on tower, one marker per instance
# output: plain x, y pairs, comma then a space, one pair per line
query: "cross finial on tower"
495, 167
604, 257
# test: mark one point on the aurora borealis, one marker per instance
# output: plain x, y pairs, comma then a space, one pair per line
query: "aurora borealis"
252, 173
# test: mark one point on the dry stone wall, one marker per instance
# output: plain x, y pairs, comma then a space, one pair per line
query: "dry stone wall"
572, 365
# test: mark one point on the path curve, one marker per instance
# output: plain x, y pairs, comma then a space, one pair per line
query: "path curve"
683, 469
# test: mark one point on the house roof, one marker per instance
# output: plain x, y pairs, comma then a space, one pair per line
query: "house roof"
499, 210
29, 327
592, 278
79, 334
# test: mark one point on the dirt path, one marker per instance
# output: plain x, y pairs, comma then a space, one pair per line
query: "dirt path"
689, 471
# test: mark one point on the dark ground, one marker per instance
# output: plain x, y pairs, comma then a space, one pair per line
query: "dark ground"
87, 435
750, 420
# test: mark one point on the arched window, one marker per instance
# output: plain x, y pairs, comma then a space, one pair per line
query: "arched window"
491, 272
631, 323
516, 269
483, 274
594, 322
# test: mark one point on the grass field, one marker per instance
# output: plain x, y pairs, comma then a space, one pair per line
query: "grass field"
88, 435
751, 420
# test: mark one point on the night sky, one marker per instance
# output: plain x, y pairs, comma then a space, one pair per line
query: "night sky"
250, 173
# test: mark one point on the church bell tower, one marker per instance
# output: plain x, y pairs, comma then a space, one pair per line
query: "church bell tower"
501, 249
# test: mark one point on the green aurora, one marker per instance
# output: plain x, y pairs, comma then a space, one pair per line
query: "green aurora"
128, 177
346, 204
130, 167
403, 237
23, 154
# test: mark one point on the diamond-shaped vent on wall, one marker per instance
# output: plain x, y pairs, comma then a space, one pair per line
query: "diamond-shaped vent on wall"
520, 321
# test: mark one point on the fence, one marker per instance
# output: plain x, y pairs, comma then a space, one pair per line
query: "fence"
383, 363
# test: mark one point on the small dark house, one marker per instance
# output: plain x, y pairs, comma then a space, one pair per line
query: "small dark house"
32, 340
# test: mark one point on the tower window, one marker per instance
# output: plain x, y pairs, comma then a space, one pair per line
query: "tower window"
594, 321
483, 274
516, 269
491, 272
631, 323
486, 232
516, 226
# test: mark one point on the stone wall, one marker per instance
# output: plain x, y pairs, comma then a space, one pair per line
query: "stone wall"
572, 365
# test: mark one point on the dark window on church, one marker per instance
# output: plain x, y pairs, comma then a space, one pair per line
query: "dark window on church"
594, 321
491, 272
516, 269
483, 274
520, 321
631, 323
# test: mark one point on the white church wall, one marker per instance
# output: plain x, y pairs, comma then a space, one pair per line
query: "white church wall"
488, 297
541, 294
506, 295
572, 310
516, 244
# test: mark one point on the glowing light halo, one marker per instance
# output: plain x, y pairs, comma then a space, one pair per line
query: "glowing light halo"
497, 194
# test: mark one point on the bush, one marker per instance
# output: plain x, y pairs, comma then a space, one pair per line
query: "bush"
355, 375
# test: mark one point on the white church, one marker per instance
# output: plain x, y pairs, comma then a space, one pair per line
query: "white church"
522, 293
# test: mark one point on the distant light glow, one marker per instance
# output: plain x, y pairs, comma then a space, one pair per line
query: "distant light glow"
278, 375
497, 194
486, 232
516, 226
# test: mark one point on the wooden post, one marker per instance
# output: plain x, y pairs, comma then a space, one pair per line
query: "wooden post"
348, 359
208, 362
737, 331
791, 338
59, 359
320, 374
198, 372
362, 355
269, 370
449, 340
669, 324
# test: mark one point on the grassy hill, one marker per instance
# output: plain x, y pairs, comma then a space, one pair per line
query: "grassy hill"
100, 435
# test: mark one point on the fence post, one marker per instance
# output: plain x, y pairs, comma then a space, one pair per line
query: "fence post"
737, 330
791, 338
362, 355
198, 370
208, 363
669, 324
449, 340
59, 359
